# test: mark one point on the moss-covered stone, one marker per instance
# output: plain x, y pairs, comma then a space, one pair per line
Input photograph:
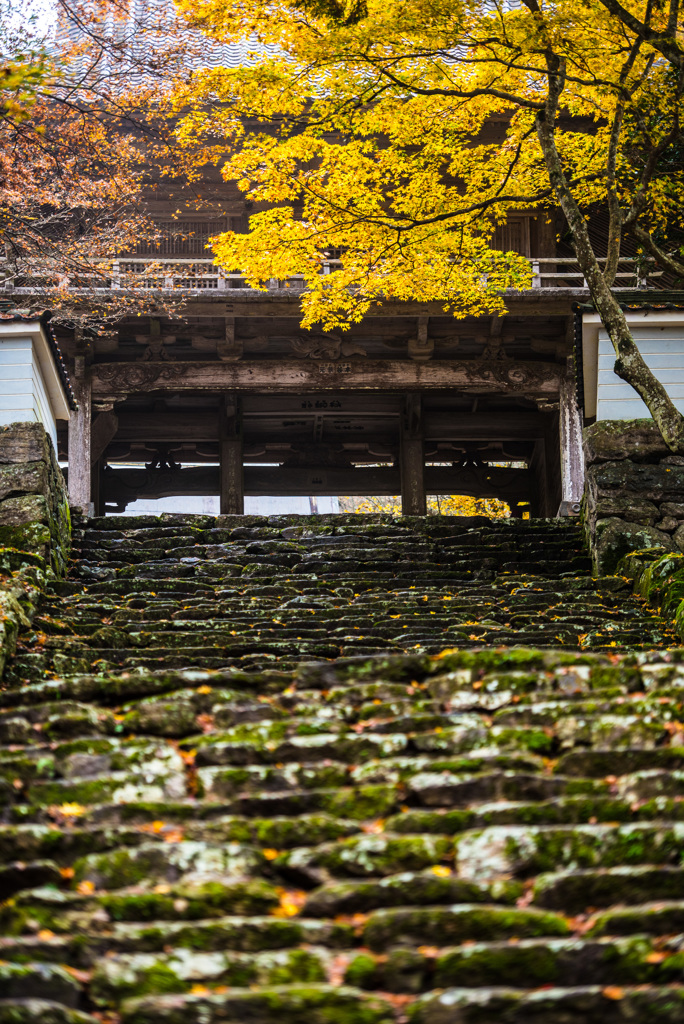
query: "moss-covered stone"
318, 1004
459, 923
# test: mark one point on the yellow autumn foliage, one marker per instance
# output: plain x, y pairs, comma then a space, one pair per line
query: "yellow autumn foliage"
396, 136
437, 505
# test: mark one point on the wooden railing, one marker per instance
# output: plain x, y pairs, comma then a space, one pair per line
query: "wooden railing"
201, 275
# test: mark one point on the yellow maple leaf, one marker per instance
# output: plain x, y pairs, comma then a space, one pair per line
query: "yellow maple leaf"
71, 810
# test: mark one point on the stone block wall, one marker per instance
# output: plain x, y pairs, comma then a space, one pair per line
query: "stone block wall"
634, 493
35, 526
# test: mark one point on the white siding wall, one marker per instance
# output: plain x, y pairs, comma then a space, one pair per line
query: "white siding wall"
23, 396
663, 352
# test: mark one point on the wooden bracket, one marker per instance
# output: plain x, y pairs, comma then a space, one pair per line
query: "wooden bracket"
421, 348
229, 349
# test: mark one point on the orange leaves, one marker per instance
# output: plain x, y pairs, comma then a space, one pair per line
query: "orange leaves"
337, 968
374, 827
174, 835
291, 902
656, 957
78, 974
270, 854
45, 933
357, 921
152, 826
205, 723
85, 888
613, 992
170, 833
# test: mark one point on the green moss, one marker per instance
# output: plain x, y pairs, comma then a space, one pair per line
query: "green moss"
186, 902
362, 803
300, 966
363, 971
439, 822
458, 924
373, 855
29, 537
497, 965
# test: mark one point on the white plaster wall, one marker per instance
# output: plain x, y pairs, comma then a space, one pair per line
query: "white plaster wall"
663, 350
23, 395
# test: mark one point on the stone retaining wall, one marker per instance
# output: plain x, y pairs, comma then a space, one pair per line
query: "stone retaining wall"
35, 526
634, 511
634, 492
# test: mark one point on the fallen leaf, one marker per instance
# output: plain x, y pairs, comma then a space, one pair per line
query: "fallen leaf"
291, 902
337, 968
613, 992
80, 975
373, 827
71, 810
174, 836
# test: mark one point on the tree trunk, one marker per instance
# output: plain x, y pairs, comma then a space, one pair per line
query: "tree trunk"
629, 364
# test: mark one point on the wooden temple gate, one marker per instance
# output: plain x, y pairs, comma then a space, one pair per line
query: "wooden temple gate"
234, 399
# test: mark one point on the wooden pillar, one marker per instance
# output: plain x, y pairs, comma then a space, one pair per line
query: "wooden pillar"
412, 458
232, 475
79, 440
571, 451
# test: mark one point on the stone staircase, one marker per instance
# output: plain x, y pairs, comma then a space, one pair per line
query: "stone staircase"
285, 771
172, 591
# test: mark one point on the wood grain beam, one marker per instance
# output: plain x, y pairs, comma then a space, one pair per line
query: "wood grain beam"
127, 484
195, 426
114, 381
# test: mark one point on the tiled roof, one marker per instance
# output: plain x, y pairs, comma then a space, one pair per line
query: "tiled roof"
154, 36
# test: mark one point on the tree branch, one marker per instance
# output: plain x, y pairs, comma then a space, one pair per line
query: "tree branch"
664, 43
666, 260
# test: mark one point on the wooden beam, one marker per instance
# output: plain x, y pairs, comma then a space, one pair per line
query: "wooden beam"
114, 381
572, 454
260, 304
102, 433
79, 440
230, 453
125, 485
412, 459
191, 425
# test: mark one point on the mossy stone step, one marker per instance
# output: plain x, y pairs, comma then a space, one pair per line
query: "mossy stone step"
214, 814
319, 1004
585, 1004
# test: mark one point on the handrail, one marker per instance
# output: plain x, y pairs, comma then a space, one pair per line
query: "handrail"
170, 273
